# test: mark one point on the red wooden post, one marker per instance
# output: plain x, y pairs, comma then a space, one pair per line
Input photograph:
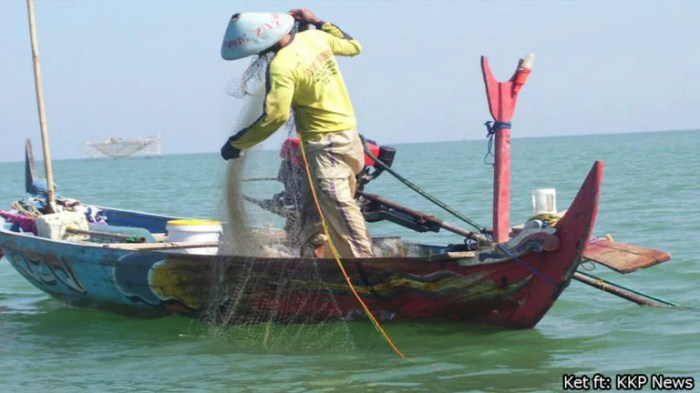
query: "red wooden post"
501, 186
502, 97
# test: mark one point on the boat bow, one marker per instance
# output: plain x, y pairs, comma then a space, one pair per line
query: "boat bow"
552, 272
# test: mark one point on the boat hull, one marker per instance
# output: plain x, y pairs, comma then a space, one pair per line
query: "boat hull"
509, 286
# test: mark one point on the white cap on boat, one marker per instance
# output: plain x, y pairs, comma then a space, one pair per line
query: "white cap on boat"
249, 33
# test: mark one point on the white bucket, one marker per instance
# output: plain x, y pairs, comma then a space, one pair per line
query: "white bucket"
194, 231
544, 201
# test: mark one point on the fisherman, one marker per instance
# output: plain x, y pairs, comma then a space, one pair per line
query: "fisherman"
304, 76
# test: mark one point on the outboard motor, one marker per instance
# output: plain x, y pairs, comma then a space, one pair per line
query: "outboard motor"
384, 154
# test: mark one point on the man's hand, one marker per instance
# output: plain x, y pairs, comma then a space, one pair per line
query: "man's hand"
228, 151
305, 16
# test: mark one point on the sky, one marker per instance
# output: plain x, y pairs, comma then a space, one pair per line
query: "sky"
128, 68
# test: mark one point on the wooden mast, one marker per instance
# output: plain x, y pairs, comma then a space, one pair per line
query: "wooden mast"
502, 97
51, 198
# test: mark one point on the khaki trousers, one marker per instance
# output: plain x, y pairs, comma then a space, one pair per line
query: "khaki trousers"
334, 161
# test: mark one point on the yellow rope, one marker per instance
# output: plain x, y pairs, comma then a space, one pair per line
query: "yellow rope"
550, 219
30, 210
602, 284
336, 255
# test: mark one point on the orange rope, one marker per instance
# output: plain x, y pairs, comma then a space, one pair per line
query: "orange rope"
376, 323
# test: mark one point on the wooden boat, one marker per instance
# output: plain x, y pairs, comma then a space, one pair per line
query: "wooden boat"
511, 284
511, 281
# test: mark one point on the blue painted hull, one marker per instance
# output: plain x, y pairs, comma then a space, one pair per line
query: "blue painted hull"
76, 274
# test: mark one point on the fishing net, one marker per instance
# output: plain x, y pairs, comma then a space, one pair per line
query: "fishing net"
267, 271
251, 83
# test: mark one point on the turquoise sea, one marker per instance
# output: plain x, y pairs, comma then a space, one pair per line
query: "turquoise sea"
650, 196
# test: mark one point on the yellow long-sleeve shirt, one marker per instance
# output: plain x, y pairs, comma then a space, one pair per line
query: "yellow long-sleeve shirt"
305, 75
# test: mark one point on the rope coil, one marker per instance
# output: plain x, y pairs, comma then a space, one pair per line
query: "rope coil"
491, 127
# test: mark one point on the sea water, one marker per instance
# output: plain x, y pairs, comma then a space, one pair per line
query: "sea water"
650, 196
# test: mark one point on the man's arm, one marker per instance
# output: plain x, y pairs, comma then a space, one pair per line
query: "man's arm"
341, 43
278, 101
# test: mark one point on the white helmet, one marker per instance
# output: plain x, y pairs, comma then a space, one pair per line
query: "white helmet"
249, 33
